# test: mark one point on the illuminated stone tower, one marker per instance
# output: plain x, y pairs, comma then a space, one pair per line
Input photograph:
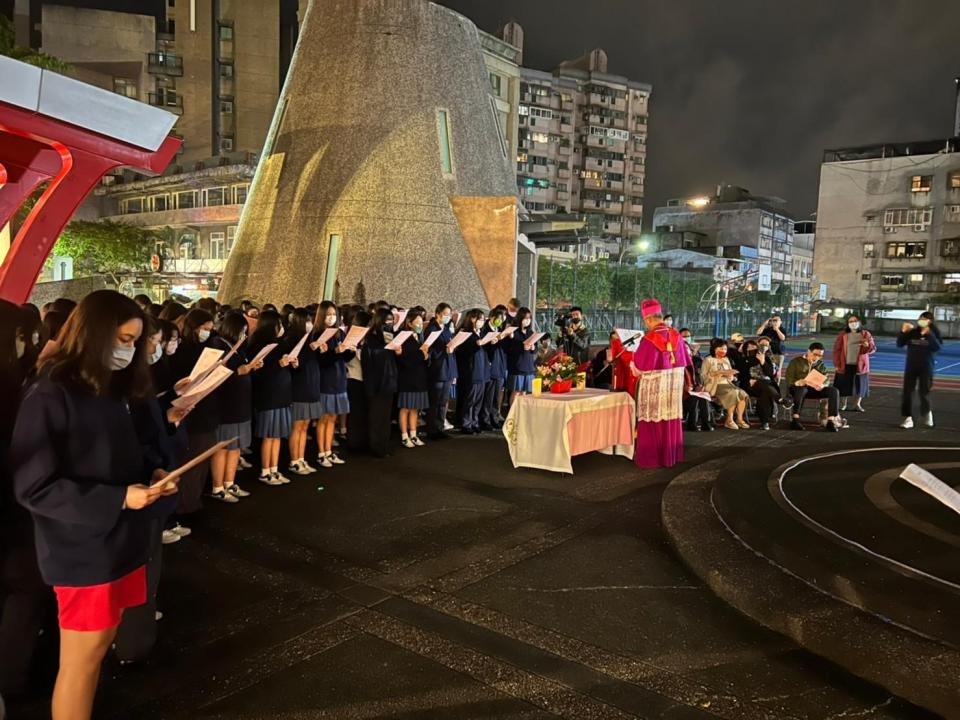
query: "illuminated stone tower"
384, 167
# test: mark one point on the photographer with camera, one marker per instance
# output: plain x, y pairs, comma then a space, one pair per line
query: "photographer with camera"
574, 336
771, 329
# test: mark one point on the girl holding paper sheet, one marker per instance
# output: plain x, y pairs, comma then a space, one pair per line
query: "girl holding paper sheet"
379, 381
272, 395
236, 408
306, 392
203, 420
521, 362
473, 372
441, 372
77, 466
332, 357
496, 355
357, 436
412, 380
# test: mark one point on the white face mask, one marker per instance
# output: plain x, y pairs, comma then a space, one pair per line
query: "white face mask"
668, 323
445, 320
21, 347
155, 355
35, 339
171, 346
854, 326
330, 320
923, 322
525, 322
203, 335
122, 357
309, 327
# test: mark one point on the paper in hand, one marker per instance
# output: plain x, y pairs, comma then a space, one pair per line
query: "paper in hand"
190, 464
488, 338
508, 331
295, 352
208, 358
431, 338
532, 341
816, 380
206, 386
398, 340
267, 349
355, 335
326, 335
398, 318
459, 339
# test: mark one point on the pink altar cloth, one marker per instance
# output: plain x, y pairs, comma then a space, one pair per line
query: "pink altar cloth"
546, 431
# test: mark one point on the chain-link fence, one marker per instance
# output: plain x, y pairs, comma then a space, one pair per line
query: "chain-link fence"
610, 296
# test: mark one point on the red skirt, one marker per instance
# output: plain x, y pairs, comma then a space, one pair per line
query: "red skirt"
98, 607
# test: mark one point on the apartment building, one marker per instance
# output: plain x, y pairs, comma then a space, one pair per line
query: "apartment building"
582, 145
888, 226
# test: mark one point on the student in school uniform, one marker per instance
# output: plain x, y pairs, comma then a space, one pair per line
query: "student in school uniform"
493, 391
521, 363
78, 467
272, 395
441, 371
379, 380
357, 436
412, 396
201, 424
305, 388
235, 397
332, 356
472, 373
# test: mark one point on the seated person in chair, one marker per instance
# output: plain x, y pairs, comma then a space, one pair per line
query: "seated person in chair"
696, 410
719, 379
756, 373
797, 372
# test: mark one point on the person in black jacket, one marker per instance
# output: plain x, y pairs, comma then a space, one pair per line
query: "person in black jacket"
442, 372
78, 467
473, 372
412, 382
521, 363
272, 394
235, 400
332, 357
755, 371
379, 380
305, 389
493, 391
922, 342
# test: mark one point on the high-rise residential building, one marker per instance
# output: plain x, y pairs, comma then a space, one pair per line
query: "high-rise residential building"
888, 226
582, 145
737, 225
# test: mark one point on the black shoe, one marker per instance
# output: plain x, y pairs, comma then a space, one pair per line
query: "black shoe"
796, 425
692, 428
786, 403
477, 431
831, 426
485, 427
709, 427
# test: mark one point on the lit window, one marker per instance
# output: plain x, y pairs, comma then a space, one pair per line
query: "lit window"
443, 132
539, 137
891, 281
906, 249
955, 180
916, 278
921, 183
951, 279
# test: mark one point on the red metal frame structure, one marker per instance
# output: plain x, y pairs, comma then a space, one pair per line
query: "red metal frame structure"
36, 149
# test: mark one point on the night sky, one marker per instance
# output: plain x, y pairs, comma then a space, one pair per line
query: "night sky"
749, 92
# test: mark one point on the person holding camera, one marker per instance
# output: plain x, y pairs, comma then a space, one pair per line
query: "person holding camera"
923, 342
771, 329
574, 337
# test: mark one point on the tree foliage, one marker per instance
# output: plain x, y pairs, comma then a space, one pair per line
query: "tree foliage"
30, 56
110, 248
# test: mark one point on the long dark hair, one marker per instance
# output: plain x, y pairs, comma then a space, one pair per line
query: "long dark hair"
320, 321
522, 314
86, 346
194, 320
172, 311
381, 318
234, 324
268, 328
469, 318
299, 317
51, 326
11, 327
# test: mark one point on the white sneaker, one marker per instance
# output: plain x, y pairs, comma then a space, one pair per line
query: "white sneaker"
158, 616
907, 423
181, 530
169, 537
298, 467
417, 441
928, 419
324, 461
408, 443
309, 468
243, 463
336, 459
223, 496
447, 426
270, 480
284, 480
237, 491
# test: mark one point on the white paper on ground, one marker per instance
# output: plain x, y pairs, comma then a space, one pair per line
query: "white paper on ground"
932, 486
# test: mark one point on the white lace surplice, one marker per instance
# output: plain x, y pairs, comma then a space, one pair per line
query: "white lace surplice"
660, 395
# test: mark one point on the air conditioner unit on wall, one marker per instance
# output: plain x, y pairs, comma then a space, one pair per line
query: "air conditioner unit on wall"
919, 228
889, 229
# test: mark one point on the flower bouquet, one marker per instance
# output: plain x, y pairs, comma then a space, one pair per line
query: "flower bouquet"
558, 374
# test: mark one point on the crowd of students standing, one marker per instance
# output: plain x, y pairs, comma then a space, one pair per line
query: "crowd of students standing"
93, 430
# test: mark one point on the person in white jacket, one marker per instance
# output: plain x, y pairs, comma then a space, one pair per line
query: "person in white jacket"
717, 374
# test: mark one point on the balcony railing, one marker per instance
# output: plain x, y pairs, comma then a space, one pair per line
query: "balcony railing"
168, 101
164, 64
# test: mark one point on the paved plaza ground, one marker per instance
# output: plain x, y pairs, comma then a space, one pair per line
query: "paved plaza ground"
442, 583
